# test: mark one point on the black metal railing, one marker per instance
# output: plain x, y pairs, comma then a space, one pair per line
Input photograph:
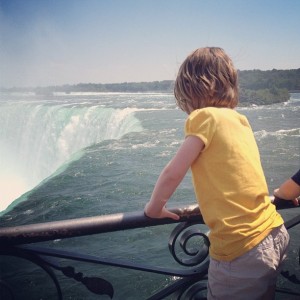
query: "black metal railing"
190, 283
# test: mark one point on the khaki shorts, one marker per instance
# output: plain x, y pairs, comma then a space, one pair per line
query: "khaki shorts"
250, 275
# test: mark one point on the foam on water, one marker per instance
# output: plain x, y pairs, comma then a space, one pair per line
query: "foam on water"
37, 138
294, 132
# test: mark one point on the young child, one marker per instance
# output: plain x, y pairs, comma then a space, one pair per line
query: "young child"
247, 236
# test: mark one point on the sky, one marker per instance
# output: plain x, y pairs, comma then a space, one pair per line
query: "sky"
56, 42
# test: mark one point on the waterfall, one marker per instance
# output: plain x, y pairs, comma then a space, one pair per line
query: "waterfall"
36, 138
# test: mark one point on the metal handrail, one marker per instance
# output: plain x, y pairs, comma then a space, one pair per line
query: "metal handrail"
47, 231
192, 279
12, 238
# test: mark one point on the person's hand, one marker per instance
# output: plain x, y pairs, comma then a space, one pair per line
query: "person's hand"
277, 195
296, 201
163, 213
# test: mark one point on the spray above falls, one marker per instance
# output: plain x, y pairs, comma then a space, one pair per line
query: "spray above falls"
36, 138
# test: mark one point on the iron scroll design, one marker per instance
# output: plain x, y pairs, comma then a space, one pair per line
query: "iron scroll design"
40, 256
18, 242
184, 233
188, 245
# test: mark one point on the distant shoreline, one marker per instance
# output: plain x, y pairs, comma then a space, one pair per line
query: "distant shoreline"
249, 79
256, 87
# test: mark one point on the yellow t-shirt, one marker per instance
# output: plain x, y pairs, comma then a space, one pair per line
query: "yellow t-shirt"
229, 182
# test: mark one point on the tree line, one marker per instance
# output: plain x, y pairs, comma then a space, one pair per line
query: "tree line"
256, 86
267, 87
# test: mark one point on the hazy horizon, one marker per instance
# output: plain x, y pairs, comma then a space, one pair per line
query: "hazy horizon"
78, 83
53, 43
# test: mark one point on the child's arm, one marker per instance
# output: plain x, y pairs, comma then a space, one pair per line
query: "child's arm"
171, 176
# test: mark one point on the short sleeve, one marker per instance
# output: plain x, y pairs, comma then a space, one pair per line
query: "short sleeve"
201, 123
296, 177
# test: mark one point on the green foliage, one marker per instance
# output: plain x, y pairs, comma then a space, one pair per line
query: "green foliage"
125, 87
267, 87
263, 96
256, 86
280, 79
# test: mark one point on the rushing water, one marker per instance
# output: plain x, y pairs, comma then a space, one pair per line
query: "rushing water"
85, 154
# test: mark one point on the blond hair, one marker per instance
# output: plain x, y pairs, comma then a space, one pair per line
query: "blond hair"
207, 77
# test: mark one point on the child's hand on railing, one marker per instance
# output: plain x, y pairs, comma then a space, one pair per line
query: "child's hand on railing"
159, 214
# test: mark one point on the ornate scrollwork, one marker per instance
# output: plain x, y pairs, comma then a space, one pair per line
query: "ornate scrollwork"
95, 285
187, 243
6, 291
197, 290
195, 252
35, 259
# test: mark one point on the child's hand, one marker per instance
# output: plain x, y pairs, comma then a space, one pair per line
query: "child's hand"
163, 213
